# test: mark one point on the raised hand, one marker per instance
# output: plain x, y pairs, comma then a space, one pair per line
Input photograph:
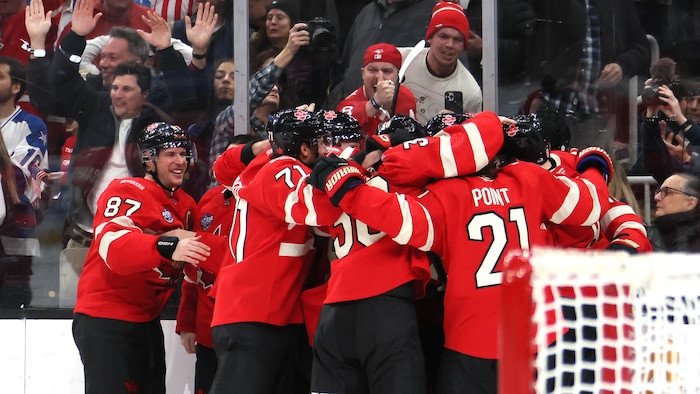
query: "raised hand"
83, 19
37, 23
200, 34
298, 37
160, 34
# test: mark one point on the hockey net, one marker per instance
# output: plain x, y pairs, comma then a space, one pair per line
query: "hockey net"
598, 322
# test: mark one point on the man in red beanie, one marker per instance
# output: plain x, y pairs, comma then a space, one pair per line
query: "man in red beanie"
372, 102
436, 76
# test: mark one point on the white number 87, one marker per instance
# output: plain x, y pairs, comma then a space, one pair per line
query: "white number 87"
114, 203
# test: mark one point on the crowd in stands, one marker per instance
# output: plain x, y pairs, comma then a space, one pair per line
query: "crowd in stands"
85, 85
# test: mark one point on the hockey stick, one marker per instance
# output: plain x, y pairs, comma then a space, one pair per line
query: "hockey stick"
402, 71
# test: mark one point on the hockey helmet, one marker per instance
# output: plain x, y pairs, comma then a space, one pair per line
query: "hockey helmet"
525, 140
343, 127
440, 121
289, 128
160, 135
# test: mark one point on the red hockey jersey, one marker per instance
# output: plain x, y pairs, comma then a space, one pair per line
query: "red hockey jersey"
619, 224
124, 277
472, 223
457, 150
270, 243
354, 105
213, 214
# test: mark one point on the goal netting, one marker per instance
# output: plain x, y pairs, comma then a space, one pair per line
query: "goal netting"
600, 322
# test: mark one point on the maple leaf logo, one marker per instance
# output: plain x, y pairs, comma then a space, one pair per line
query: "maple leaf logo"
512, 130
300, 114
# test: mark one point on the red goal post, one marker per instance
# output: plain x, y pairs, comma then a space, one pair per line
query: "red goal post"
599, 322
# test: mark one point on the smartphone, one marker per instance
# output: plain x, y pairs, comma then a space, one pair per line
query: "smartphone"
453, 101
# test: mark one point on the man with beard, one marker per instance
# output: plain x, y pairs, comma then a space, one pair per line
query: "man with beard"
370, 103
24, 136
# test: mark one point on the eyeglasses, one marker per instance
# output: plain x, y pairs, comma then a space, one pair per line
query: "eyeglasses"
665, 191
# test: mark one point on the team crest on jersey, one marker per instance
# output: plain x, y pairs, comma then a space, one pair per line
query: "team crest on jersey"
512, 130
449, 120
330, 115
302, 115
206, 221
167, 216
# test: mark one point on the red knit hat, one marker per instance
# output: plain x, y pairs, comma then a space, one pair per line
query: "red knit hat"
448, 15
382, 52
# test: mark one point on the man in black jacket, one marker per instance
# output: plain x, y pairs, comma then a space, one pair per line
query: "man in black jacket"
582, 51
110, 124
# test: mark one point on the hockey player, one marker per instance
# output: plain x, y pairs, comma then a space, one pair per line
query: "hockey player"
367, 338
344, 128
619, 227
440, 121
257, 319
471, 223
213, 214
141, 244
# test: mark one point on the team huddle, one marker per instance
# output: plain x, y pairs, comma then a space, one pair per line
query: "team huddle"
314, 234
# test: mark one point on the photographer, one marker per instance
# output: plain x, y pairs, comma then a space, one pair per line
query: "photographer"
313, 68
667, 135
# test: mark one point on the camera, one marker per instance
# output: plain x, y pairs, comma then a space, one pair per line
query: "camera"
663, 72
321, 33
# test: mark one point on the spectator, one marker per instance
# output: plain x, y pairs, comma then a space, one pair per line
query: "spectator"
310, 71
171, 90
437, 70
24, 139
288, 96
261, 88
141, 245
257, 14
400, 22
110, 124
370, 103
258, 290
676, 227
692, 99
110, 13
219, 44
666, 134
14, 39
171, 11
581, 52
202, 130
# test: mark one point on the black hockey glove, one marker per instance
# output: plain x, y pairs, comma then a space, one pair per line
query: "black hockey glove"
335, 176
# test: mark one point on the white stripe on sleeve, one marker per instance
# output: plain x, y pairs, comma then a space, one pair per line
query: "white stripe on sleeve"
569, 203
481, 159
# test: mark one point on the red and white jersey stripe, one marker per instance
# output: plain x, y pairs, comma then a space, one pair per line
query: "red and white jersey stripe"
472, 223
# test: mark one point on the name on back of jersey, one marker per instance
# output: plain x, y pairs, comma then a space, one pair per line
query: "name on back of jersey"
490, 196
